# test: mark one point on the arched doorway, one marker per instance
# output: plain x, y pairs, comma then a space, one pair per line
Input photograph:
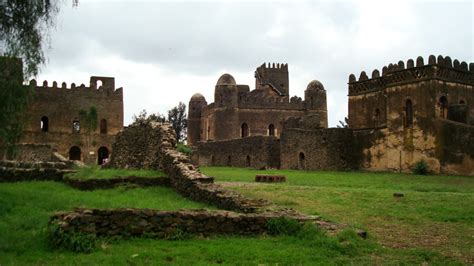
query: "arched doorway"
102, 155
301, 161
229, 161
271, 130
75, 153
44, 124
244, 130
247, 161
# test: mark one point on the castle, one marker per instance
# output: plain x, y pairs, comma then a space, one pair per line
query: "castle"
238, 112
54, 125
396, 119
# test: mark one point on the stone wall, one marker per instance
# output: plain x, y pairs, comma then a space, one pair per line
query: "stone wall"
256, 152
33, 153
318, 149
167, 224
137, 147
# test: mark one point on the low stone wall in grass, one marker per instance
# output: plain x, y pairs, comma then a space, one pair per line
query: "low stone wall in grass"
8, 174
104, 183
168, 224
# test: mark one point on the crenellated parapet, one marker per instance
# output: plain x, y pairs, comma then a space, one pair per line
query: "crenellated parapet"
274, 75
250, 102
99, 86
441, 68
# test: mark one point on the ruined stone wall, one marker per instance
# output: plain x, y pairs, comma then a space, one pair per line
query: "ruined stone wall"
318, 149
138, 147
32, 153
61, 106
163, 224
256, 152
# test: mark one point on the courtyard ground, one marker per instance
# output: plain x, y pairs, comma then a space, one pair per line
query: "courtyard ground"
433, 222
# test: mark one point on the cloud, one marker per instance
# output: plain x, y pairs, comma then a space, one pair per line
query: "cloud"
163, 52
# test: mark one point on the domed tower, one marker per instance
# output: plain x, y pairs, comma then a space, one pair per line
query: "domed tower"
196, 104
225, 94
315, 99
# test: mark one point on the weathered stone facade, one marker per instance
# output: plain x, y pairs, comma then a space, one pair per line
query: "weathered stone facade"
421, 112
238, 112
396, 118
256, 152
53, 117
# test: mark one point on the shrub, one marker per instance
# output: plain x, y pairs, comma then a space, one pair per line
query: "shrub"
76, 242
184, 149
284, 226
420, 168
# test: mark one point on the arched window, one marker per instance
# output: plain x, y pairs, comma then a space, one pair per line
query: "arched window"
462, 102
229, 161
44, 124
247, 161
244, 130
408, 113
443, 106
208, 132
271, 130
75, 153
301, 161
102, 155
376, 116
103, 126
98, 84
76, 126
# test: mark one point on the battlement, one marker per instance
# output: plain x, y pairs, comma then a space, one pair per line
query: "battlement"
99, 85
441, 68
273, 66
295, 103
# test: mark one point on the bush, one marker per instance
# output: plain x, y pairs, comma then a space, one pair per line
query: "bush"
284, 226
420, 168
76, 242
184, 149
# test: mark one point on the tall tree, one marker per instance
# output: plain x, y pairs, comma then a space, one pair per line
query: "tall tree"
24, 26
177, 119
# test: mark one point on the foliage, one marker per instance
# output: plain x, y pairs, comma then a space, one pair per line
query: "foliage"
97, 172
24, 26
284, 226
143, 118
177, 119
420, 168
89, 119
184, 149
14, 98
76, 242
343, 124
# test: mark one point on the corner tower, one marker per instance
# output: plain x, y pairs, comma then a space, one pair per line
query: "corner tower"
275, 75
196, 104
315, 100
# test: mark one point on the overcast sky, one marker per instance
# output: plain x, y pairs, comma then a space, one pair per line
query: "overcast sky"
162, 52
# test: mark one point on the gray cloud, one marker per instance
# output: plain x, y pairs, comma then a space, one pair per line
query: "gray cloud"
188, 40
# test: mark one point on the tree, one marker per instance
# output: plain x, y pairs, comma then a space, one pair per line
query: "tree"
343, 124
144, 118
24, 27
89, 122
177, 119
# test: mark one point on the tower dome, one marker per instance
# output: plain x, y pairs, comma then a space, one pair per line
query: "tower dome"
226, 79
197, 97
315, 85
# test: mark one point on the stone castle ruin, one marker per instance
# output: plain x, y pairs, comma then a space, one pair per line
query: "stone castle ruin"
396, 119
53, 122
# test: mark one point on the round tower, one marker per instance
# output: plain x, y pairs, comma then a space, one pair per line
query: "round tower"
315, 100
196, 104
225, 94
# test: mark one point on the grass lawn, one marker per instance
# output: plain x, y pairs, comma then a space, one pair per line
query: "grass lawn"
97, 172
431, 225
435, 215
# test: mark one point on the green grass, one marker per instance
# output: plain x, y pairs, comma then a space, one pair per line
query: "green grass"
436, 214
97, 172
432, 226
